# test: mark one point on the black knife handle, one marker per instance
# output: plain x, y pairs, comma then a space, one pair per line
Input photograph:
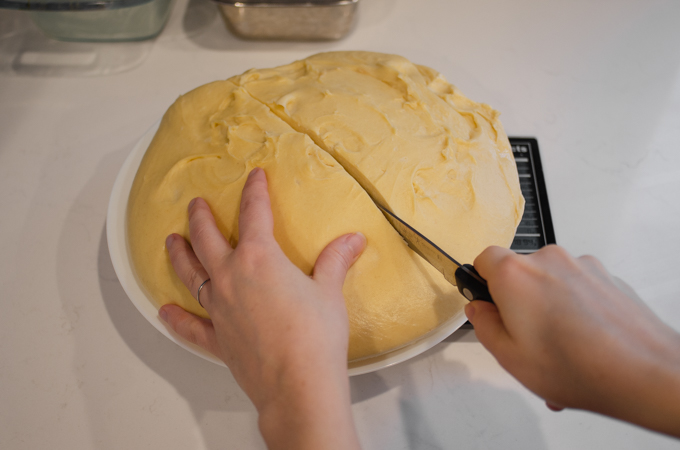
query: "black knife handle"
471, 284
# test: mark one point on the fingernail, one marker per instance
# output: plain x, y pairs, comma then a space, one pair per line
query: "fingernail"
253, 172
164, 314
191, 203
169, 241
554, 407
469, 311
357, 242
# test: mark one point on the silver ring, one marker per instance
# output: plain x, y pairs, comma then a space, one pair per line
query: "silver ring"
198, 294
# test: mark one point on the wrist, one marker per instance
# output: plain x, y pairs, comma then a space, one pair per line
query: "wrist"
648, 391
662, 389
310, 409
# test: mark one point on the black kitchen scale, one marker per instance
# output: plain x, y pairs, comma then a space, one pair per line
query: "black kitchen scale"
536, 228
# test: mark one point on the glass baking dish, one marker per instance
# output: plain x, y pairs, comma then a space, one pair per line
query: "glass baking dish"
96, 20
289, 19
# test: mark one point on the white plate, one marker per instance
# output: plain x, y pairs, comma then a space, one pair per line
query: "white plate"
116, 234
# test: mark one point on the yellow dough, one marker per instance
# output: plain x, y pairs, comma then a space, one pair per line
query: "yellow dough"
326, 130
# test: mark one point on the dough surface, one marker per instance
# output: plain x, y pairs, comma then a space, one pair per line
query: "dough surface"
327, 130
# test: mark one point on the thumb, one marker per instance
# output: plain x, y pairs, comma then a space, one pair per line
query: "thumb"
488, 324
194, 329
335, 260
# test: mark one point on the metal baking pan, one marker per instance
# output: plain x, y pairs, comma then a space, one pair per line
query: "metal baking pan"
306, 20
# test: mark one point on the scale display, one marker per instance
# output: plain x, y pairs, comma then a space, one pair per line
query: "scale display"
536, 228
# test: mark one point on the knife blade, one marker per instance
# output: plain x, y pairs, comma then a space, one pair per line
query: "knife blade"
463, 276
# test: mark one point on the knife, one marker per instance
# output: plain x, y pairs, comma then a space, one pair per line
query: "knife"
463, 276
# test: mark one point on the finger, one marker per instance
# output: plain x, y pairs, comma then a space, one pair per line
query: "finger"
207, 240
489, 326
629, 291
490, 259
255, 220
556, 258
594, 267
194, 329
591, 263
335, 260
187, 266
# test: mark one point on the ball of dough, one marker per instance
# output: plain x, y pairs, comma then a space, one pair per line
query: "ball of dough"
328, 130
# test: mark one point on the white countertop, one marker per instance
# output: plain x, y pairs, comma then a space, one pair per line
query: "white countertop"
598, 83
